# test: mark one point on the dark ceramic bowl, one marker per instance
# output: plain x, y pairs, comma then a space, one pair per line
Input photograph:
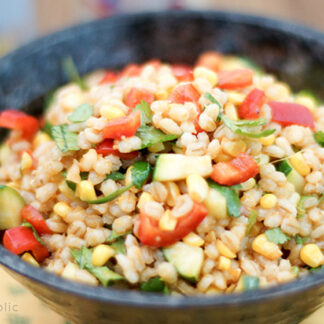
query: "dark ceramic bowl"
295, 54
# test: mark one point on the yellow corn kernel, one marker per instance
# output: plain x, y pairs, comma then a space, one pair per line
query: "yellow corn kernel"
145, 197
66, 190
268, 201
26, 161
202, 72
30, 259
232, 63
86, 191
233, 148
248, 184
299, 163
222, 157
306, 101
61, 209
161, 94
156, 147
167, 222
101, 254
40, 138
224, 250
268, 249
197, 187
235, 98
312, 255
268, 140
224, 263
193, 239
231, 111
128, 176
111, 112
216, 204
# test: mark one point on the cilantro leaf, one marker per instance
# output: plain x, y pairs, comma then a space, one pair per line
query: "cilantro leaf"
319, 138
65, 140
140, 172
241, 127
252, 220
295, 270
72, 73
151, 135
212, 99
154, 285
233, 202
250, 282
114, 236
276, 235
27, 224
103, 274
81, 113
48, 128
115, 176
119, 246
300, 240
146, 112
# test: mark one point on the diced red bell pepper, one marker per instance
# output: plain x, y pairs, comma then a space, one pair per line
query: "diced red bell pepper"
184, 93
210, 60
21, 239
239, 170
252, 104
106, 148
234, 79
131, 70
182, 72
123, 126
18, 120
34, 217
150, 234
109, 77
135, 96
287, 113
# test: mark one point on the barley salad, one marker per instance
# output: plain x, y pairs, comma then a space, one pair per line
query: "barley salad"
168, 178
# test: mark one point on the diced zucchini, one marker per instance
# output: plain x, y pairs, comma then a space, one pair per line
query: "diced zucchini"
216, 204
10, 205
186, 259
292, 175
4, 153
172, 167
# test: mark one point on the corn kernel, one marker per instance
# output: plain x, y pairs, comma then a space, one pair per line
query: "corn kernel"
233, 148
111, 112
231, 111
268, 201
299, 163
26, 161
128, 176
30, 259
224, 263
268, 249
156, 147
222, 157
40, 138
86, 191
224, 250
161, 94
5, 153
66, 190
167, 222
235, 98
145, 197
216, 204
312, 255
193, 239
268, 140
306, 101
202, 72
73, 272
197, 187
101, 254
61, 209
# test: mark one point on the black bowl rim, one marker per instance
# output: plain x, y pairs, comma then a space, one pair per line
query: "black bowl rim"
147, 300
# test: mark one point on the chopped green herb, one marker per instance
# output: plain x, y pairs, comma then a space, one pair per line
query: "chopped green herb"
276, 235
252, 220
295, 270
114, 236
250, 282
212, 99
320, 268
27, 224
81, 113
300, 240
116, 176
72, 73
284, 167
151, 135
300, 206
72, 185
242, 127
140, 172
319, 138
154, 285
119, 246
48, 128
146, 112
232, 198
103, 274
65, 140
110, 197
